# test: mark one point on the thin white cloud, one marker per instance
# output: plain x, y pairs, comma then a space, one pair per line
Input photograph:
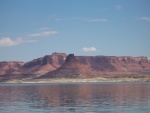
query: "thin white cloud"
44, 33
90, 20
83, 19
68, 19
24, 41
6, 41
59, 19
44, 28
77, 18
90, 49
97, 20
118, 7
145, 18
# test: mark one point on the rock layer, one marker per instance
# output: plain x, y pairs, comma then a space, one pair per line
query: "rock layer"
9, 67
94, 66
42, 65
60, 65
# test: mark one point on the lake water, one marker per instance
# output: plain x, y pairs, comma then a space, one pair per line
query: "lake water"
75, 98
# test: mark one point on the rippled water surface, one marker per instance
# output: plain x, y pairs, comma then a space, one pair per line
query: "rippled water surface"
75, 98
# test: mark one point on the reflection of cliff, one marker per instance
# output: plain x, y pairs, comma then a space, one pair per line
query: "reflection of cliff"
93, 66
73, 96
91, 95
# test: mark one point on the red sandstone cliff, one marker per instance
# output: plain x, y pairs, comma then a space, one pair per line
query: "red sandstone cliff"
94, 66
42, 65
60, 65
9, 67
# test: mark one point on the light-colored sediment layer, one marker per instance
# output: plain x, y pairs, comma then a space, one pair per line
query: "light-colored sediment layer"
69, 80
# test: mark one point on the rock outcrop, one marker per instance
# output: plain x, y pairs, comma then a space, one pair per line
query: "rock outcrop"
60, 65
42, 65
94, 66
9, 67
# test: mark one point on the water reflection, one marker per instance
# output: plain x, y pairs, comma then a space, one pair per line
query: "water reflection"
112, 98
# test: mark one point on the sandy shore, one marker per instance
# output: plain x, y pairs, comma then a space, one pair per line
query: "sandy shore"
69, 80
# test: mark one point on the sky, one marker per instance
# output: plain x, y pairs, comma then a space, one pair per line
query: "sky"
31, 29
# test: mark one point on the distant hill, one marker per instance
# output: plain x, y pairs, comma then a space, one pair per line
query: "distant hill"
59, 65
95, 66
9, 67
42, 65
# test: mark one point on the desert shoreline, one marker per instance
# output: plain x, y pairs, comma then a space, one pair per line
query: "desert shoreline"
77, 80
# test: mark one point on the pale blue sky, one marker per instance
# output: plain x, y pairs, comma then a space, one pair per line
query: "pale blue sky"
33, 28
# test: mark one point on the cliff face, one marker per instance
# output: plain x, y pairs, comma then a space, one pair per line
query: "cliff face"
42, 65
9, 67
61, 65
93, 66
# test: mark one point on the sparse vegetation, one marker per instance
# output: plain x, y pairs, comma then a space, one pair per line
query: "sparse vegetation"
71, 80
